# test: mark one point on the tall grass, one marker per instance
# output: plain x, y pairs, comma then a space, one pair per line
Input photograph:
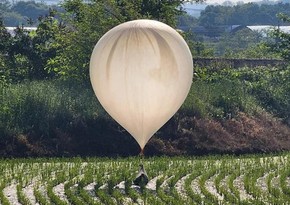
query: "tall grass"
37, 106
223, 92
219, 99
59, 115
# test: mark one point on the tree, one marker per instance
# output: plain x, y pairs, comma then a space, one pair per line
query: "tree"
88, 21
281, 40
26, 53
5, 39
242, 14
30, 9
4, 5
236, 44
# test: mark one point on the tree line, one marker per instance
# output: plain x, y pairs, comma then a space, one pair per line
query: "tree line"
62, 44
242, 14
23, 12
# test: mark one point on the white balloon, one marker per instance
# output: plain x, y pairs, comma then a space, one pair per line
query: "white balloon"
141, 72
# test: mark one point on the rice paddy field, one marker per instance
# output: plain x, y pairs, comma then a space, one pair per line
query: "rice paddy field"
185, 180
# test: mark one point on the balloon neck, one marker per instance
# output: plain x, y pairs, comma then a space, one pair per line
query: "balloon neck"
141, 154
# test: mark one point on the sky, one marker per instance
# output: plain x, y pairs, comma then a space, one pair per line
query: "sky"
233, 1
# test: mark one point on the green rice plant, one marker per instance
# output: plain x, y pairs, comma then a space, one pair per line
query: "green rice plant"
233, 189
250, 180
54, 198
206, 176
87, 198
39, 197
76, 173
162, 193
221, 189
72, 194
3, 198
194, 197
283, 181
133, 195
104, 197
20, 195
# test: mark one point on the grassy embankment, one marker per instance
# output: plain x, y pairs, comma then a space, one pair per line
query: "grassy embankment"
227, 111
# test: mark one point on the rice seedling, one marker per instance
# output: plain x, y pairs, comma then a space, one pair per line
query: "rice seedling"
253, 179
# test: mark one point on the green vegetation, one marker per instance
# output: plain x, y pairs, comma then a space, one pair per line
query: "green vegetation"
47, 106
241, 90
281, 43
243, 14
23, 12
55, 117
62, 44
252, 179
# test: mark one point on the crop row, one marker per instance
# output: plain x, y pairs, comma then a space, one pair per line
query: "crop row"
211, 180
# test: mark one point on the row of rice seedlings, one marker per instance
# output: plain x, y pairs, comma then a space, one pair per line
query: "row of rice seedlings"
195, 198
102, 190
72, 193
21, 196
164, 171
53, 197
85, 196
3, 198
229, 170
175, 197
278, 188
264, 169
234, 190
250, 180
76, 194
275, 195
184, 171
274, 182
284, 177
76, 173
222, 188
39, 197
24, 172
204, 177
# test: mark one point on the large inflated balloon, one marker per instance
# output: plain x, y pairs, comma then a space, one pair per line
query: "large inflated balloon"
141, 72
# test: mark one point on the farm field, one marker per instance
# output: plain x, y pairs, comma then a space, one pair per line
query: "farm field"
185, 180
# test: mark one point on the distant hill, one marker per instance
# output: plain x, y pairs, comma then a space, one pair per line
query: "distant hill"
194, 9
48, 2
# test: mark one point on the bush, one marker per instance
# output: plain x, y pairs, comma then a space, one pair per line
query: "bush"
56, 117
37, 106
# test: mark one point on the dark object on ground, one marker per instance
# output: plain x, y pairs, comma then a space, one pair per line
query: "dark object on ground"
141, 178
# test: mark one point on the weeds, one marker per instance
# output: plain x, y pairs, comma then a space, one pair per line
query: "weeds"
64, 118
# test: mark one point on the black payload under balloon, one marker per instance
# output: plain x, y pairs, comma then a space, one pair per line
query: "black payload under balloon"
141, 178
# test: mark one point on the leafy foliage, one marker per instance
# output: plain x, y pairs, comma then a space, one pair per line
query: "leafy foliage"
25, 54
22, 12
87, 22
242, 14
281, 43
226, 111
